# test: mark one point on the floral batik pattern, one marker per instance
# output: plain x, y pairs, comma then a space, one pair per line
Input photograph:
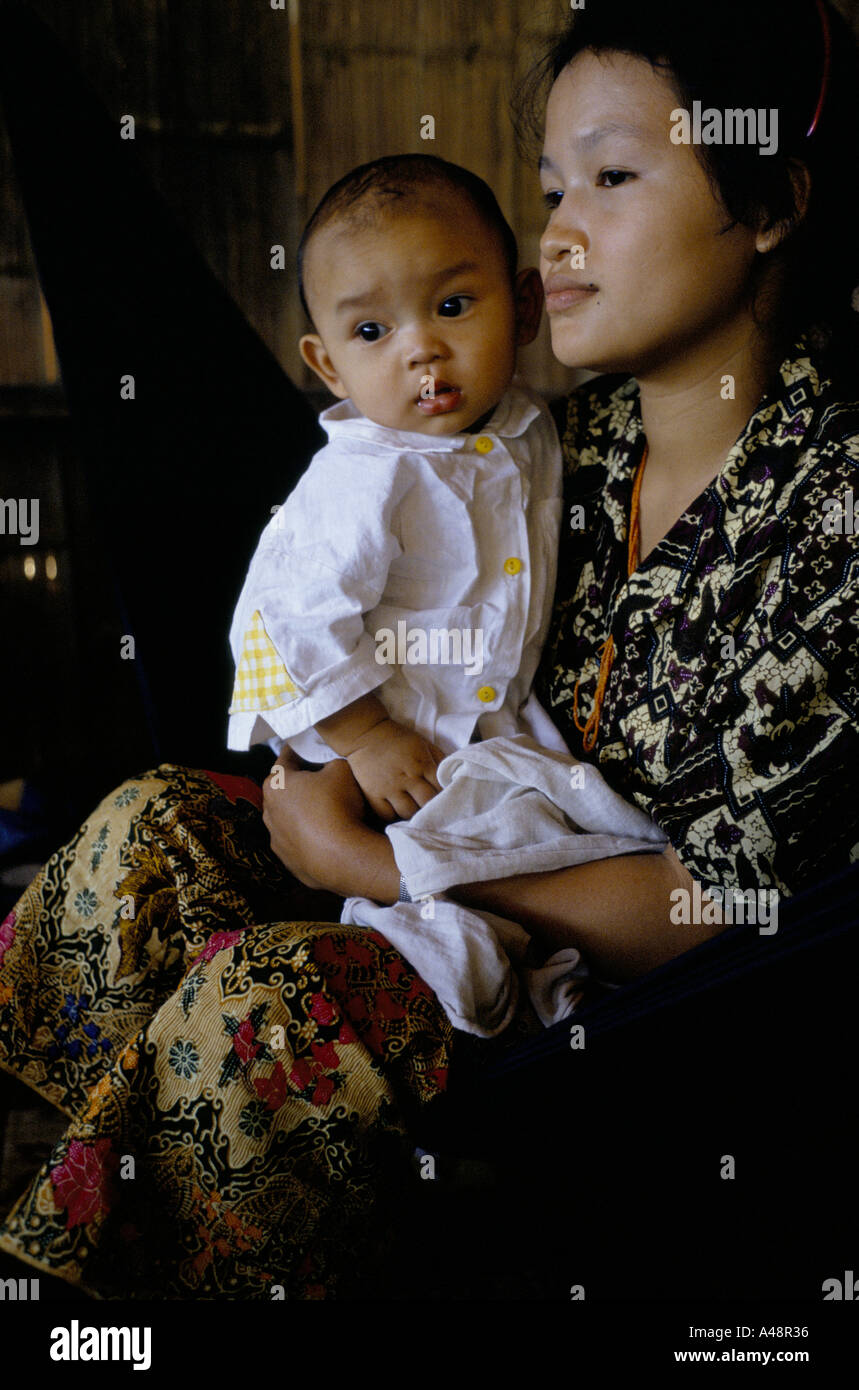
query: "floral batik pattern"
237, 1084
731, 713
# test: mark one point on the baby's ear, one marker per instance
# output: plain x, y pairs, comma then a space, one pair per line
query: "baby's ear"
314, 352
529, 305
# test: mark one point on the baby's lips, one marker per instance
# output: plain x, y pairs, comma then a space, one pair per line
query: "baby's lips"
438, 386
442, 402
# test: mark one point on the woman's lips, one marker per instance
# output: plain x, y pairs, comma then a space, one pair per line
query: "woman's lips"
446, 398
566, 297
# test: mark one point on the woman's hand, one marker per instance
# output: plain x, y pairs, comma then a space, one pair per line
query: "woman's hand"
317, 828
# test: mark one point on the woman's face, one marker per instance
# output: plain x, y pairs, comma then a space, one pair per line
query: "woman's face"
663, 283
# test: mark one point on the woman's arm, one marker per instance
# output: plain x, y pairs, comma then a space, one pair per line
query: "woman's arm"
317, 828
616, 911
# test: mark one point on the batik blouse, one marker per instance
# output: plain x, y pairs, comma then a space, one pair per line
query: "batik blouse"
730, 715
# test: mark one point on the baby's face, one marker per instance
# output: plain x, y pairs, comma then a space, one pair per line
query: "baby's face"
408, 297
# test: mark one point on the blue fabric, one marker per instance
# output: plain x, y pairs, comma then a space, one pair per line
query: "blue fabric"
22, 828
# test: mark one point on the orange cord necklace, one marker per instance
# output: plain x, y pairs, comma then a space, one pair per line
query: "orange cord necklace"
591, 728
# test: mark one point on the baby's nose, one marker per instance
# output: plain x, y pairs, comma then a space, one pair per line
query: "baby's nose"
424, 345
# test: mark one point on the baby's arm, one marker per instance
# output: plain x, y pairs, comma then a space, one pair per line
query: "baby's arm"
393, 766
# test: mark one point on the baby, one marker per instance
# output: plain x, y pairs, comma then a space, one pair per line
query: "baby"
395, 608
397, 602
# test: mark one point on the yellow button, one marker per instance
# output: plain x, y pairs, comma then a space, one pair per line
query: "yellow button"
486, 694
483, 444
513, 565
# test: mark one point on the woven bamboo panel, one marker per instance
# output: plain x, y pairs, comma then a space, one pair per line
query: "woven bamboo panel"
242, 130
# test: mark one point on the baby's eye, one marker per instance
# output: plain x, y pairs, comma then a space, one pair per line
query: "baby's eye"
371, 332
615, 177
552, 198
454, 305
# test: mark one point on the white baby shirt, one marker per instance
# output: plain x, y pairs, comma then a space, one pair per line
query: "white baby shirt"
420, 567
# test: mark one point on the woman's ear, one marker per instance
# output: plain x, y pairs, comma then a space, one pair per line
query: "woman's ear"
772, 234
529, 305
315, 354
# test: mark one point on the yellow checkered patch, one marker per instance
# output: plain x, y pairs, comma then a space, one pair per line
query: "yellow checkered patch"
262, 680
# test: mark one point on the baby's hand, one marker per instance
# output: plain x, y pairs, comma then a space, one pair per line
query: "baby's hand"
395, 769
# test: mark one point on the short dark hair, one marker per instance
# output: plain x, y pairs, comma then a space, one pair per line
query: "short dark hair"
388, 182
763, 54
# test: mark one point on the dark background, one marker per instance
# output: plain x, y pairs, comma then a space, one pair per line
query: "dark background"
153, 257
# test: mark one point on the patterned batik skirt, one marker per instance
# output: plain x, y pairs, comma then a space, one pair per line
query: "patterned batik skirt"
238, 1087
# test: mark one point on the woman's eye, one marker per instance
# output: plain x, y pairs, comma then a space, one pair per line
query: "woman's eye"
371, 332
454, 305
613, 178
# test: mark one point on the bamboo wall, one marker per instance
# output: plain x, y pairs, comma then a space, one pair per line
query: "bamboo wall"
245, 114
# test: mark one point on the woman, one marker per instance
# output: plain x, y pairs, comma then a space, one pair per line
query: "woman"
241, 1088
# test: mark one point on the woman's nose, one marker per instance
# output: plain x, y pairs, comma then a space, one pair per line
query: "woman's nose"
561, 236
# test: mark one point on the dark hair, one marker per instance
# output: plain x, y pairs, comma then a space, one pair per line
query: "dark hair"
384, 184
742, 54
